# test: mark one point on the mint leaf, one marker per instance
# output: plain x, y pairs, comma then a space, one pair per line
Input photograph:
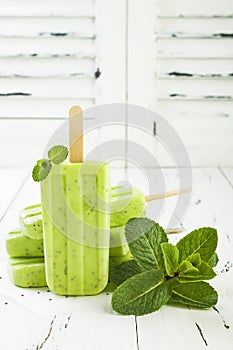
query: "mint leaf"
199, 294
202, 241
171, 258
120, 273
144, 238
195, 259
141, 294
213, 260
186, 266
203, 272
58, 154
41, 170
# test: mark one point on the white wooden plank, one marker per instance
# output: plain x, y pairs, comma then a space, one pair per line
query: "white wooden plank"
47, 67
40, 108
194, 25
211, 205
190, 7
13, 177
194, 109
81, 8
195, 47
197, 89
47, 88
37, 26
193, 67
53, 45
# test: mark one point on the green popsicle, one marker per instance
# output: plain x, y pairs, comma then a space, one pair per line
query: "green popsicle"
31, 221
75, 201
19, 245
27, 272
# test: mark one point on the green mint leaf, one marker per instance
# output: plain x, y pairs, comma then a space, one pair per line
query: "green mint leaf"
144, 238
186, 266
202, 241
198, 294
195, 259
58, 154
213, 260
41, 170
192, 274
120, 273
171, 258
141, 294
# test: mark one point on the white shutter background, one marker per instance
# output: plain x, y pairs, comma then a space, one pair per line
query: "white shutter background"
47, 63
52, 53
194, 75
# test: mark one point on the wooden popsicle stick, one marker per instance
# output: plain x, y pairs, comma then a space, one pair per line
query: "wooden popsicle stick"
174, 230
76, 134
172, 193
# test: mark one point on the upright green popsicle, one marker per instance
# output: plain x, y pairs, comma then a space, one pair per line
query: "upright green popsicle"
75, 207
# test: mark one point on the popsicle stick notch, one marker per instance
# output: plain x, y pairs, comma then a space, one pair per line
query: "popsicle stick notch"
76, 134
172, 193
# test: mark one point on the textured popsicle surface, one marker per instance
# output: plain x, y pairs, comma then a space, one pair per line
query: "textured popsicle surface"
126, 204
75, 201
31, 221
118, 243
27, 272
19, 245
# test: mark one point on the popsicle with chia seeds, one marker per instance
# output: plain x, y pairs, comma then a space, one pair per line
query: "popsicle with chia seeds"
31, 221
19, 245
75, 207
27, 272
126, 203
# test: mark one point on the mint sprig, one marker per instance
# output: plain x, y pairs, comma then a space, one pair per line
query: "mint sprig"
56, 155
161, 272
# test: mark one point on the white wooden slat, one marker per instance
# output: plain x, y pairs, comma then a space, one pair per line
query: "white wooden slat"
195, 8
196, 110
50, 108
48, 88
211, 206
51, 8
47, 67
34, 27
45, 45
189, 25
195, 68
7, 193
198, 89
195, 47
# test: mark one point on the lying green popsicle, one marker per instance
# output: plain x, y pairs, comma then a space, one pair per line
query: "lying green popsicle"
27, 272
19, 245
30, 272
31, 221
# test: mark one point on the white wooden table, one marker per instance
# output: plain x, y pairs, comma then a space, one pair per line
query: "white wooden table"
32, 319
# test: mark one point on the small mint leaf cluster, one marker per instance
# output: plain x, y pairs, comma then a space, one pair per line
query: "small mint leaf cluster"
56, 155
161, 273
